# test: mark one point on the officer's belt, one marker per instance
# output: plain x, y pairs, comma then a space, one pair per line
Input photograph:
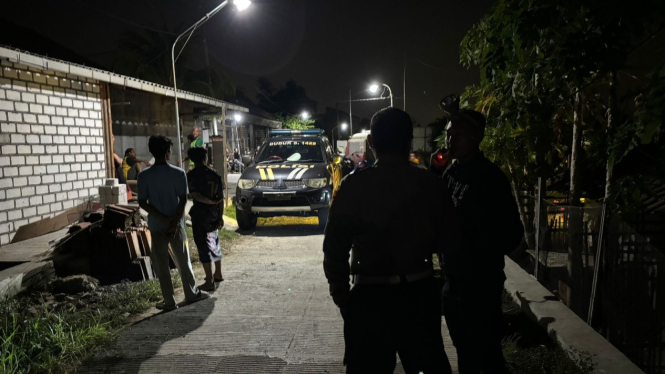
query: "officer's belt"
395, 279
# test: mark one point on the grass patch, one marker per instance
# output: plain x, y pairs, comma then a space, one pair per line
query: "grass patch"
528, 349
41, 335
544, 360
230, 211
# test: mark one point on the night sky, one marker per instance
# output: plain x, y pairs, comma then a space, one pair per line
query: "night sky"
326, 46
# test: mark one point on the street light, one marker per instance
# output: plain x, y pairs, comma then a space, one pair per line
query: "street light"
240, 5
237, 117
304, 115
343, 126
375, 87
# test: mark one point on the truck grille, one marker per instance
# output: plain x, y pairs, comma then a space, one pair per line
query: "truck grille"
296, 201
289, 184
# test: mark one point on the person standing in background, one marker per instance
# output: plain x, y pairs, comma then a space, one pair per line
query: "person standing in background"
196, 141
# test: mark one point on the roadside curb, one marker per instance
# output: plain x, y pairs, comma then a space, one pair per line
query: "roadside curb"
562, 324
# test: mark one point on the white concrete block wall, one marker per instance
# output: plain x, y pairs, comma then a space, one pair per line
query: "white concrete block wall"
51, 144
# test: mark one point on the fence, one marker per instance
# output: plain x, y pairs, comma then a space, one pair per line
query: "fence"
620, 292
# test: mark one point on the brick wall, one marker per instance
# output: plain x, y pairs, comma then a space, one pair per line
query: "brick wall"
51, 145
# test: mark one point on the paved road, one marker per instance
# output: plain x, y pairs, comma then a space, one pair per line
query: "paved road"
273, 314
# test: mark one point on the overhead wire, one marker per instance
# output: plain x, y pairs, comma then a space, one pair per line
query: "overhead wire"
123, 19
269, 99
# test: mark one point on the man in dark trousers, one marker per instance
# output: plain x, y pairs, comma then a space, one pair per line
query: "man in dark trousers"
163, 194
207, 189
490, 228
391, 217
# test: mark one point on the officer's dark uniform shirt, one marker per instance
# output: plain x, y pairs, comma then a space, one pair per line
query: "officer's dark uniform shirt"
489, 221
392, 217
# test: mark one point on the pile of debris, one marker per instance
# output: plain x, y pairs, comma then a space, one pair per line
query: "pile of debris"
110, 245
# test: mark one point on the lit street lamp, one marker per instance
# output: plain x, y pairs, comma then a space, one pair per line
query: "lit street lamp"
343, 126
375, 87
240, 5
237, 117
304, 115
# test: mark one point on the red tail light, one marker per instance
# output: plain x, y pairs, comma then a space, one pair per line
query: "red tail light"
440, 160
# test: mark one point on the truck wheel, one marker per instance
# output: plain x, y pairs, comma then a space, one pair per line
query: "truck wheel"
246, 221
323, 217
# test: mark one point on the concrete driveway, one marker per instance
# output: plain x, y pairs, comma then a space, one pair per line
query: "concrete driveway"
232, 180
273, 314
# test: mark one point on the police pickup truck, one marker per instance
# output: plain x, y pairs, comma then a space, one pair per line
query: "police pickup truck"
296, 172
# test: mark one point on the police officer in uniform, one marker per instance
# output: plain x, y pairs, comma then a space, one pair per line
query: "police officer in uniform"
490, 228
390, 218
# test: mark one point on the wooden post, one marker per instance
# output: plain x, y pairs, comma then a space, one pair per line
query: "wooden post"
107, 129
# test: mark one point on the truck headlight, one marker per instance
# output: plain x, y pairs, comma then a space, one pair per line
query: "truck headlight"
246, 184
316, 182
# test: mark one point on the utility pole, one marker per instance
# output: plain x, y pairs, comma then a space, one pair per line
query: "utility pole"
350, 116
404, 85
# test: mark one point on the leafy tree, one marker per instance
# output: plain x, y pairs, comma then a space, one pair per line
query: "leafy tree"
549, 90
295, 122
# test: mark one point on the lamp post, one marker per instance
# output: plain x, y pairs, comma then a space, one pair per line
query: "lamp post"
375, 87
240, 5
237, 117
343, 126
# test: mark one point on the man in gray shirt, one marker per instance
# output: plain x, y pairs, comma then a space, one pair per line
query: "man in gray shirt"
163, 194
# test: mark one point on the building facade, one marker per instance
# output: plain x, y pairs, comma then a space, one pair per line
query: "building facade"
56, 123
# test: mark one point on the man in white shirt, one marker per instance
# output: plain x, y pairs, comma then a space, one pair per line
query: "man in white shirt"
163, 194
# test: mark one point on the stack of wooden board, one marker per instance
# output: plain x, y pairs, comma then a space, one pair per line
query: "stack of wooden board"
112, 249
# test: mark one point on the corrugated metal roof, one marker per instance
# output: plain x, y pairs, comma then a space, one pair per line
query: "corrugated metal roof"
47, 63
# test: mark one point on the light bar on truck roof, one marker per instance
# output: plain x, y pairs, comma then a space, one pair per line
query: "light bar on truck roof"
295, 132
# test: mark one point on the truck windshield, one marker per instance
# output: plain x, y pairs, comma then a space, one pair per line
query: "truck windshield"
291, 151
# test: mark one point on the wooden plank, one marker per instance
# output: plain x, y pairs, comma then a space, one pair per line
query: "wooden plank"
10, 286
30, 249
146, 242
48, 225
133, 243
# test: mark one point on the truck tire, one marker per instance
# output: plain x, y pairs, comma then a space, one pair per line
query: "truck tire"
323, 217
246, 221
